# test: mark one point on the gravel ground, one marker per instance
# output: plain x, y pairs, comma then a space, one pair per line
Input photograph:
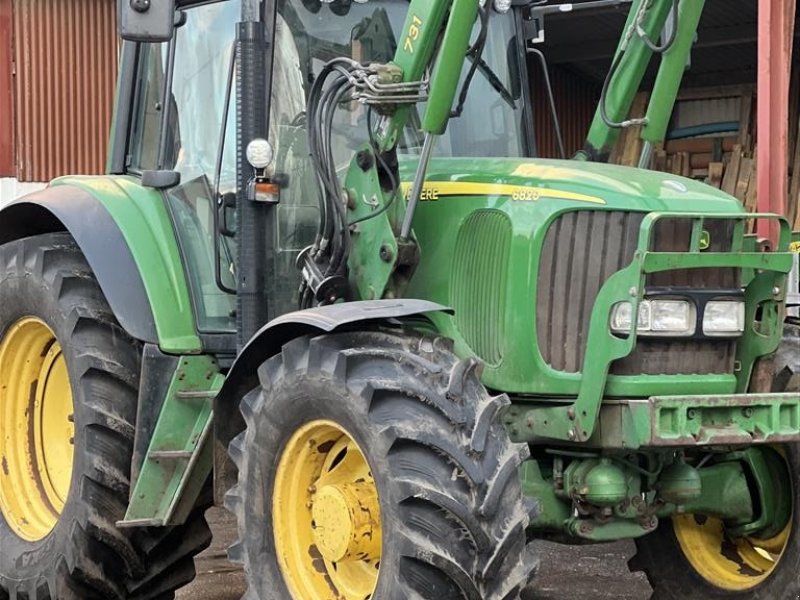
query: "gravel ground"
566, 573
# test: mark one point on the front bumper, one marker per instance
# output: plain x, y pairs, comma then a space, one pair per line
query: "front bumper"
691, 421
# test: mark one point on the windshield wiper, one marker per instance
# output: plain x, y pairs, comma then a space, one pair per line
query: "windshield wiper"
475, 54
494, 81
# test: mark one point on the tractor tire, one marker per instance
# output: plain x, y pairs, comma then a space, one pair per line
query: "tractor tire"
59, 541
673, 576
374, 466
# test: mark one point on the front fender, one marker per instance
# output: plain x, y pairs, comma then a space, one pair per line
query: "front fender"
269, 340
126, 235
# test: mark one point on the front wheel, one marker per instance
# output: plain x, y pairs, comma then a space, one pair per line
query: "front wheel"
694, 556
374, 466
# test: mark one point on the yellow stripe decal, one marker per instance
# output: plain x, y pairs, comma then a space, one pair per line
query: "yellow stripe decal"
434, 190
794, 247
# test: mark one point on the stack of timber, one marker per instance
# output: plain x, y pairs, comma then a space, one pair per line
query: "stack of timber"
725, 160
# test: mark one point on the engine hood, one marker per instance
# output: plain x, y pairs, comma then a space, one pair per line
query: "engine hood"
587, 183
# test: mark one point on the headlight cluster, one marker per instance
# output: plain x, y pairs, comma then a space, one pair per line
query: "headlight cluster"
678, 318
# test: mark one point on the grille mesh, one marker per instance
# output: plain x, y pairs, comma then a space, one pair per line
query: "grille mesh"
478, 292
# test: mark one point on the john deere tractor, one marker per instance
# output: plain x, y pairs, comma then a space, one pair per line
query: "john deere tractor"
327, 283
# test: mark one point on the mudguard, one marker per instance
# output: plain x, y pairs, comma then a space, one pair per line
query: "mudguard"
269, 340
127, 238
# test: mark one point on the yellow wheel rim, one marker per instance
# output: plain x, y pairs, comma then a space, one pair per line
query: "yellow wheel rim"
36, 429
731, 564
326, 516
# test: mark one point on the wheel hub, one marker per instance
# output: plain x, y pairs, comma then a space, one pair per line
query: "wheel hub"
346, 523
326, 516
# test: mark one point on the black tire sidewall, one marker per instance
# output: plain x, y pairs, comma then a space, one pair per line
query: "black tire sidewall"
287, 410
31, 296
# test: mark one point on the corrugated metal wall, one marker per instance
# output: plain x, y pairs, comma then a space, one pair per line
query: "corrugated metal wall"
6, 93
66, 68
576, 100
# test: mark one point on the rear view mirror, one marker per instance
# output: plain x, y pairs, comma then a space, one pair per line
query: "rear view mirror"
146, 20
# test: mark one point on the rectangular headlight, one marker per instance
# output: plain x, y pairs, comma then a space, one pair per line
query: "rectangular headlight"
621, 317
724, 318
673, 317
669, 318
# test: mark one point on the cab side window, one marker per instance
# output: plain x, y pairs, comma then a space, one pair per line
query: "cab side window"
178, 129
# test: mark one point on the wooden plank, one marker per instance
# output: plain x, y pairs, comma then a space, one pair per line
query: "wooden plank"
717, 91
700, 160
675, 164
745, 119
660, 160
796, 226
695, 145
794, 204
732, 171
794, 109
794, 185
629, 146
751, 197
715, 170
686, 164
743, 179
614, 157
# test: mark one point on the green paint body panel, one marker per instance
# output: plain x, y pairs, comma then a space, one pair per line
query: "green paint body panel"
555, 187
369, 272
447, 72
414, 52
142, 218
768, 470
179, 458
723, 492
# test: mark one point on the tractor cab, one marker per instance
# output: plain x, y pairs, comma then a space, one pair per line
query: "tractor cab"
183, 110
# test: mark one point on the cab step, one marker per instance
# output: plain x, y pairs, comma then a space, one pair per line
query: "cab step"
179, 457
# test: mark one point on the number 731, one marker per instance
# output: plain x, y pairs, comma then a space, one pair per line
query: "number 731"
413, 34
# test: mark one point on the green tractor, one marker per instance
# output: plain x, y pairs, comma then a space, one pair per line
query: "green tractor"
327, 283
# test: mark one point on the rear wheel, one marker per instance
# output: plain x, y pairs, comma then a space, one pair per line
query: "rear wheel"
69, 381
374, 466
694, 556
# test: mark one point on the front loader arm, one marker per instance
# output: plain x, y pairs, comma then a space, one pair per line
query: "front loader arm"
638, 42
379, 246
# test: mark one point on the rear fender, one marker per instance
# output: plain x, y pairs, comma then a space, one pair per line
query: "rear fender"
126, 235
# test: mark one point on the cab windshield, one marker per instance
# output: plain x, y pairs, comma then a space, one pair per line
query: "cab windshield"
490, 124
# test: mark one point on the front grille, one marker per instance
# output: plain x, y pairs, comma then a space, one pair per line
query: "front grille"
478, 285
582, 249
